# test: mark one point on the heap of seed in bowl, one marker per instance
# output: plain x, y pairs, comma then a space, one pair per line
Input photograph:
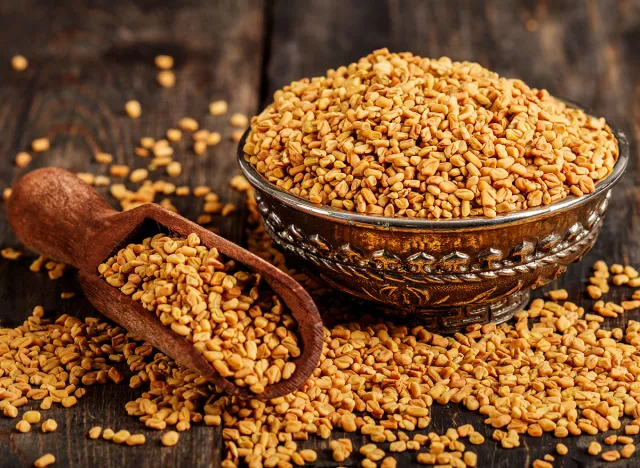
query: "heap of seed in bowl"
402, 135
238, 324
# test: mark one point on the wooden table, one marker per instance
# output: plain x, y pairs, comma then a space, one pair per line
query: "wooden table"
88, 58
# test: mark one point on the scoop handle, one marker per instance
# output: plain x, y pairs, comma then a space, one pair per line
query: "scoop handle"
54, 213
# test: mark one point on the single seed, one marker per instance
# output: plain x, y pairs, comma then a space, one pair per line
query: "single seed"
23, 426
32, 417
164, 62
562, 449
50, 425
218, 108
135, 439
594, 448
45, 460
40, 145
133, 109
23, 159
170, 438
166, 78
19, 63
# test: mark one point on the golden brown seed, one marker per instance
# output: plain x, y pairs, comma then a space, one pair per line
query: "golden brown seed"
627, 451
214, 138
107, 434
611, 455
40, 144
173, 134
119, 170
174, 169
45, 460
308, 455
121, 436
19, 63
32, 417
239, 120
218, 108
23, 159
104, 158
164, 62
50, 425
166, 78
133, 109
6, 193
135, 439
188, 124
170, 438
558, 295
10, 411
594, 448
23, 426
138, 175
562, 449
632, 429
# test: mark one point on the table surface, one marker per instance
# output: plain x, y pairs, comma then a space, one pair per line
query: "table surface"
87, 58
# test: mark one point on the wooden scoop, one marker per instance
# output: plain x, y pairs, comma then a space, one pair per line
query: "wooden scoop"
57, 215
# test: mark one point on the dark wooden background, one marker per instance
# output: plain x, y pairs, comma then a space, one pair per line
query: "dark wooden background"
87, 58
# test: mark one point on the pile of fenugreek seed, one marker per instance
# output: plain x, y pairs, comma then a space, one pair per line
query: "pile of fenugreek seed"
553, 369
402, 135
238, 324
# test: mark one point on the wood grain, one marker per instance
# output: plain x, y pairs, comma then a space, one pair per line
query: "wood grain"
88, 58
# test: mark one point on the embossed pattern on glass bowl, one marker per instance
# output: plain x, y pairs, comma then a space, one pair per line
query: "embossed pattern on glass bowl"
448, 274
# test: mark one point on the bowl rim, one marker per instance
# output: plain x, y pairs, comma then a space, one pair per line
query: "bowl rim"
348, 217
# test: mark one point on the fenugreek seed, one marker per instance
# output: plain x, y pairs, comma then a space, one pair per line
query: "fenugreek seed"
389, 462
138, 175
558, 295
120, 437
562, 449
163, 62
23, 426
135, 439
594, 448
308, 455
50, 425
10, 411
166, 78
19, 63
173, 135
174, 169
214, 138
542, 464
200, 147
40, 145
133, 109
69, 401
611, 455
32, 417
627, 451
170, 438
45, 460
11, 254
470, 458
188, 124
218, 108
107, 434
119, 170
23, 159
6, 193
458, 182
239, 120
632, 429
103, 158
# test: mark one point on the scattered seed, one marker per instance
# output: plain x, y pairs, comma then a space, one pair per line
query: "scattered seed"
23, 426
45, 460
40, 145
170, 438
23, 159
188, 124
19, 63
218, 108
133, 109
164, 62
166, 79
50, 425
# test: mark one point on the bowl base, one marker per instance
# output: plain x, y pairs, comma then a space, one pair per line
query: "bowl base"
449, 320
